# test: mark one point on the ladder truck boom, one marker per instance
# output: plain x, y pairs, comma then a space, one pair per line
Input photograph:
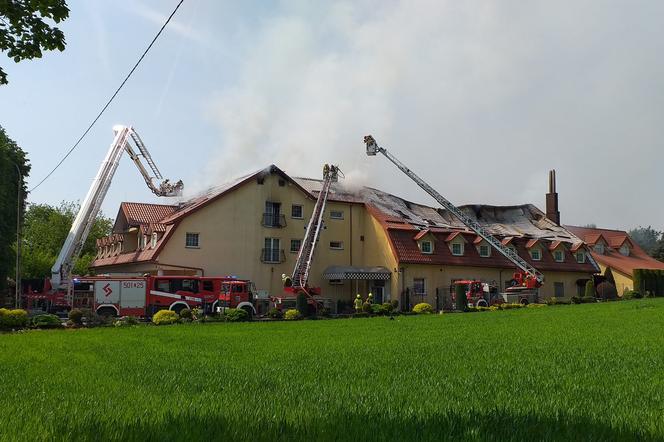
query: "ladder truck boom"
529, 270
87, 214
305, 256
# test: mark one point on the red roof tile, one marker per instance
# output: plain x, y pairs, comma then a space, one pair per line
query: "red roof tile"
531, 243
421, 234
637, 259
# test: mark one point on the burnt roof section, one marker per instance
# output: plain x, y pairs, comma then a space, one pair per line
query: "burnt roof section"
136, 214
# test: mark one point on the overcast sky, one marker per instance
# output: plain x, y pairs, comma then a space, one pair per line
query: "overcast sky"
480, 98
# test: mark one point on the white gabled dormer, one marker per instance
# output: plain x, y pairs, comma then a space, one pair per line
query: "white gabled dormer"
457, 243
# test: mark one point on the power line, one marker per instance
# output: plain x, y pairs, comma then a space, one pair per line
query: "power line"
112, 97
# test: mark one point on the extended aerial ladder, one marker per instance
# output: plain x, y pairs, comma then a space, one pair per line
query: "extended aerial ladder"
124, 135
529, 271
300, 277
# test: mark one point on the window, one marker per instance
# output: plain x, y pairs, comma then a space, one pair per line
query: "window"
296, 211
272, 216
427, 247
271, 252
558, 289
485, 251
599, 248
163, 285
295, 245
191, 240
336, 214
336, 282
457, 249
536, 254
624, 249
580, 257
337, 245
154, 240
208, 286
282, 183
419, 287
558, 255
145, 241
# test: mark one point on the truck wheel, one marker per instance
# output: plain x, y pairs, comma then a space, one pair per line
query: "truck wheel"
524, 301
178, 308
107, 312
481, 303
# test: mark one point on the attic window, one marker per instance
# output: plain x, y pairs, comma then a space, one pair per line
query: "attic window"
581, 257
624, 249
558, 255
457, 249
485, 251
536, 254
599, 248
282, 183
426, 247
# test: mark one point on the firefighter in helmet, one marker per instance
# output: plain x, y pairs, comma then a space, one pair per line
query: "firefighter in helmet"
370, 298
326, 170
358, 303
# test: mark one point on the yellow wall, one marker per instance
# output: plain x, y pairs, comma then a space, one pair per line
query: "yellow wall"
623, 281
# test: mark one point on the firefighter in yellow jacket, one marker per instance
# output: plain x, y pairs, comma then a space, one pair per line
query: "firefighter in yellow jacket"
358, 303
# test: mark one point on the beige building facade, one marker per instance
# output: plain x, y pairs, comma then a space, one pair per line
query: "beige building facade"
252, 228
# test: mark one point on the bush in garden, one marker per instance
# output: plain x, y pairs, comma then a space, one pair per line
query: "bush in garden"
388, 307
13, 318
606, 290
165, 317
275, 313
536, 305
292, 315
235, 315
323, 312
186, 313
367, 307
423, 308
126, 321
395, 304
76, 316
46, 321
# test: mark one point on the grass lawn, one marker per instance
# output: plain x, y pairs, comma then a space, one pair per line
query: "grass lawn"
591, 372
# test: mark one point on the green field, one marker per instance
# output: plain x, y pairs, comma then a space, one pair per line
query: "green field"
593, 372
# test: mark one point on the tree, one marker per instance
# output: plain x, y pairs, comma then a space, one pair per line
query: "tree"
25, 28
461, 299
11, 157
646, 237
45, 231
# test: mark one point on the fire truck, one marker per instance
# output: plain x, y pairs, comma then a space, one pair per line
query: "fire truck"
58, 293
143, 296
527, 279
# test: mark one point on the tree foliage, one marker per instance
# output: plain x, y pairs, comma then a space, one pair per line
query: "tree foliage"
26, 29
11, 157
46, 228
647, 238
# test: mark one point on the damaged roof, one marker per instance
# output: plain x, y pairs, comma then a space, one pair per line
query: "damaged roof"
524, 220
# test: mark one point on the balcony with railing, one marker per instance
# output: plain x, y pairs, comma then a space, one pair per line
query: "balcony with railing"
273, 256
273, 220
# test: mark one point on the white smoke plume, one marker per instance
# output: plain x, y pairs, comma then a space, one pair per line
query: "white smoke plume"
479, 98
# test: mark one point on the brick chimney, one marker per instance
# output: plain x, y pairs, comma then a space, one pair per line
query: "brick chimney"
552, 199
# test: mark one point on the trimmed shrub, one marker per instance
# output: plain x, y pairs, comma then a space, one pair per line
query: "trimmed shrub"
76, 316
236, 315
186, 313
275, 313
301, 304
423, 308
165, 317
590, 289
511, 306
126, 321
292, 315
631, 294
322, 312
607, 290
13, 318
555, 301
388, 307
46, 321
395, 304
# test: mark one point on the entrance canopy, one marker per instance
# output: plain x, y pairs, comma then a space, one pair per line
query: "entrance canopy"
356, 273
